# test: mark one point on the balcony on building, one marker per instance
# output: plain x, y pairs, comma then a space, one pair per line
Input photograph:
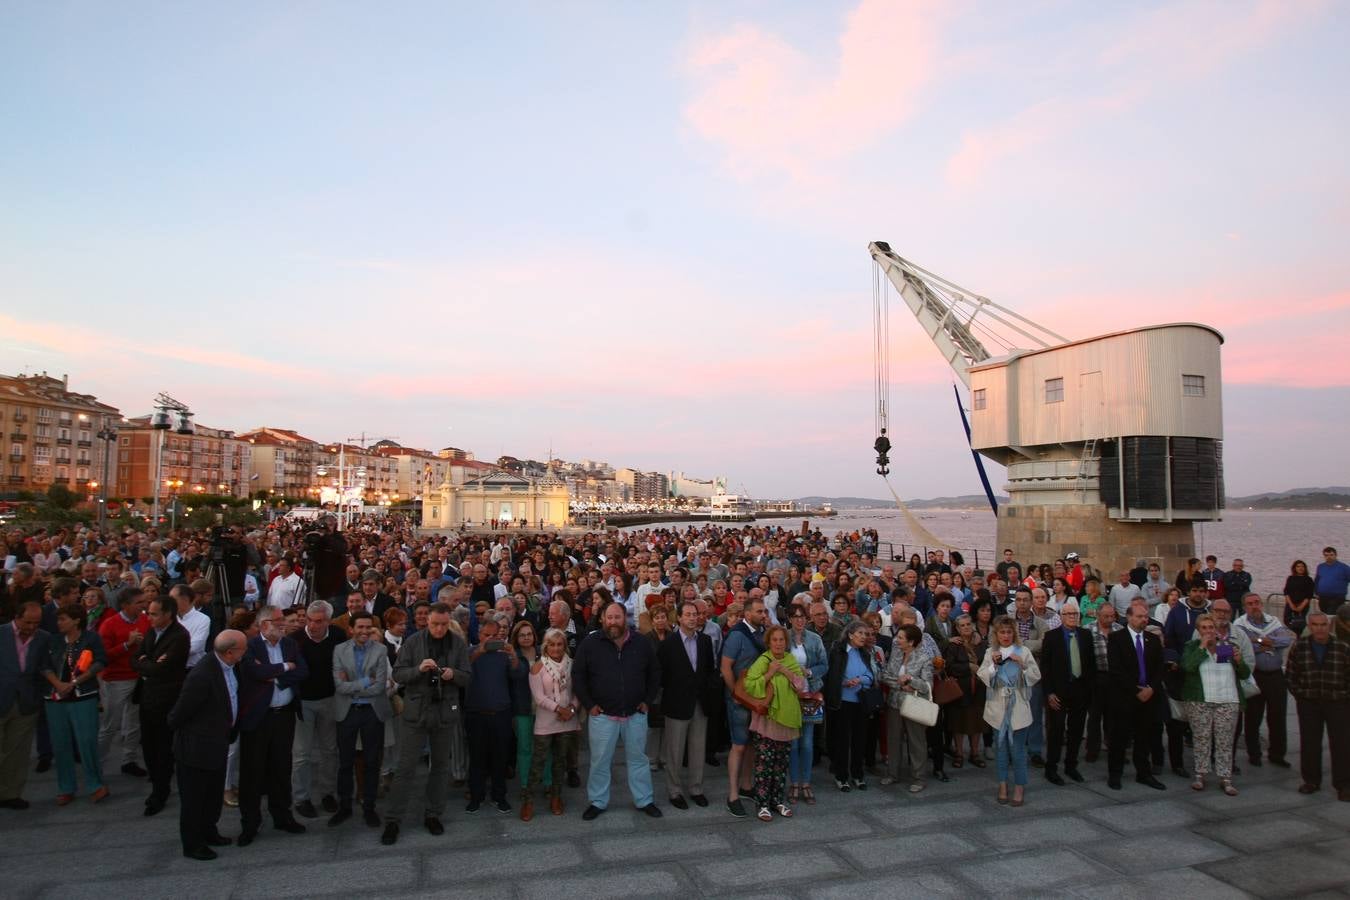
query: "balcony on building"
81, 443
63, 442
16, 457
18, 435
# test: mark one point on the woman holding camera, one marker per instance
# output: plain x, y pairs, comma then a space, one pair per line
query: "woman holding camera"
1212, 691
1009, 670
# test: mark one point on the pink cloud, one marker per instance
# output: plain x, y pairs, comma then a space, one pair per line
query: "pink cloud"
772, 108
1158, 50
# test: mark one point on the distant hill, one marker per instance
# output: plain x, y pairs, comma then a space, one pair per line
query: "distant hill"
1253, 499
1310, 500
965, 501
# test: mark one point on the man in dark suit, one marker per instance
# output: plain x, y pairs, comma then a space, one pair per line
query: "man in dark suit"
1068, 672
160, 660
22, 645
375, 600
1134, 658
690, 692
203, 722
269, 701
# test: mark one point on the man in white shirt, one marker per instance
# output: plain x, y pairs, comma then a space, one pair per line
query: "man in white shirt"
197, 623
1123, 593
286, 589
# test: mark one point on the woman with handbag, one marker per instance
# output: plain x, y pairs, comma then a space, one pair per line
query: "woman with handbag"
809, 651
775, 679
965, 714
852, 692
909, 675
1212, 692
71, 666
1008, 671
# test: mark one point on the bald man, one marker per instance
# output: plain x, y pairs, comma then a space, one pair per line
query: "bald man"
204, 722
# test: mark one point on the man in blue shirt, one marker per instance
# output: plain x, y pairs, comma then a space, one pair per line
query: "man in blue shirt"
743, 646
1331, 581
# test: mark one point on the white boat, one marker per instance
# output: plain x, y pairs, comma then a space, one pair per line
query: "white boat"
731, 508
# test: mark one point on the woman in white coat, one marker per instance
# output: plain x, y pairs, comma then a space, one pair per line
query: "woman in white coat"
1009, 670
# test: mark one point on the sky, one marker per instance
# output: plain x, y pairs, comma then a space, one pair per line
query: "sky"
637, 232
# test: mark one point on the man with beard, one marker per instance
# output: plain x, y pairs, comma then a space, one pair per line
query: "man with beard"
617, 678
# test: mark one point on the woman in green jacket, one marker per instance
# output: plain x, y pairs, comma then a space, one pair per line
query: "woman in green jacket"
1212, 691
776, 679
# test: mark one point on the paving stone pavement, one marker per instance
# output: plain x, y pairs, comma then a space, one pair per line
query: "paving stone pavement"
950, 840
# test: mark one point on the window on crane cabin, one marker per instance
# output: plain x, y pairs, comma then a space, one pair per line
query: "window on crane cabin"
977, 399
1192, 385
1054, 390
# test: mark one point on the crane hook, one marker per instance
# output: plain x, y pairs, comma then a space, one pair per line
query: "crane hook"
883, 447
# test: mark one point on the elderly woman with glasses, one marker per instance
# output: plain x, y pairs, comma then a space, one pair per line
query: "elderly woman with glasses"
851, 685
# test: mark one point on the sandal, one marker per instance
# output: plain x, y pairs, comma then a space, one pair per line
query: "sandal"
1227, 785
957, 762
764, 814
1199, 783
1003, 794
977, 762
808, 795
784, 810
794, 792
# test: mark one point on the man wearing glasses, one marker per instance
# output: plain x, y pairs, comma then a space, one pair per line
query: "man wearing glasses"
1068, 672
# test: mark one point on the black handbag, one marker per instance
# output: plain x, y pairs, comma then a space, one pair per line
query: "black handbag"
872, 699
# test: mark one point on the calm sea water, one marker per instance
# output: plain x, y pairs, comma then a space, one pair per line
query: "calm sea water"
1267, 542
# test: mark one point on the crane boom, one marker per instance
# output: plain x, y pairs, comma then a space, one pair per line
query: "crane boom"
948, 314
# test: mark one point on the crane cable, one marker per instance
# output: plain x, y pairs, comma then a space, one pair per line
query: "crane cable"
881, 388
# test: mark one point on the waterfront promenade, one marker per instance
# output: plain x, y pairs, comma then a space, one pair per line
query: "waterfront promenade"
951, 840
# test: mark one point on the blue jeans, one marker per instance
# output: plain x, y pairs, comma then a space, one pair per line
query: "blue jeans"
799, 756
1036, 742
1016, 748
604, 732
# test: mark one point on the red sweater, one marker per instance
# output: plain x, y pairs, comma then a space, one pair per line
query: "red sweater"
114, 632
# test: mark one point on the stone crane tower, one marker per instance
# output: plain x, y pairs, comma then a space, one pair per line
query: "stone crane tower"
1113, 444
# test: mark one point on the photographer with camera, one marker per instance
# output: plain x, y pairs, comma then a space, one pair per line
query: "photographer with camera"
433, 667
326, 557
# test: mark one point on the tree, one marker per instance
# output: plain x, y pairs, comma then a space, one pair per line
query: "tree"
61, 497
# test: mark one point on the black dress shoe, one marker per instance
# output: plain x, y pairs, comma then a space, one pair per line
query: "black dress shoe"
247, 837
699, 799
306, 808
942, 776
711, 760
290, 826
1150, 781
15, 803
1282, 763
1254, 761
134, 770
153, 807
592, 812
1113, 782
342, 815
44, 763
573, 779
1054, 778
1180, 772
679, 802
219, 840
1075, 775
652, 810
390, 835
434, 825
329, 803
205, 854
1037, 761
371, 818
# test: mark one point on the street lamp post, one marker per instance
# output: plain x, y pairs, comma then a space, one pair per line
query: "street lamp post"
173, 484
167, 410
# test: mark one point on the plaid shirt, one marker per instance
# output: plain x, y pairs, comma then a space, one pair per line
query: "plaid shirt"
1328, 681
1099, 645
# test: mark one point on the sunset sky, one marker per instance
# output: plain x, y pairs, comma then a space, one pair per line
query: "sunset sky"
637, 232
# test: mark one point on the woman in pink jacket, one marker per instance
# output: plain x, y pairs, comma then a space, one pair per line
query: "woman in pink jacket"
555, 721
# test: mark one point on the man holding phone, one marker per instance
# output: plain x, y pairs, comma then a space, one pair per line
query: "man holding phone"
488, 719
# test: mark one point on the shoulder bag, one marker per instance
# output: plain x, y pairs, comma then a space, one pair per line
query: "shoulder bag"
919, 709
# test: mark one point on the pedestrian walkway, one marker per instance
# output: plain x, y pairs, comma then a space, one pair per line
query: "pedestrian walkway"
951, 840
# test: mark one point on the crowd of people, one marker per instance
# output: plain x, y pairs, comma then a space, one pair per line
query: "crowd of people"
371, 673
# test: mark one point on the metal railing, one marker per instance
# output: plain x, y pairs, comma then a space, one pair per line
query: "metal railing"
886, 551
